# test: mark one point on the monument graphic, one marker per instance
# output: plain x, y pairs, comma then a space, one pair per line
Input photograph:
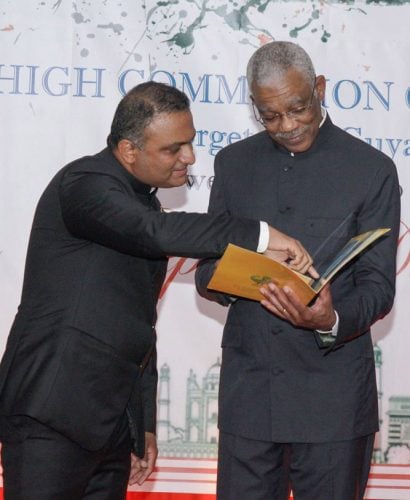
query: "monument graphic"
199, 437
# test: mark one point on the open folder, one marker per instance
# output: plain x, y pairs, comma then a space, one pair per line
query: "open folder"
241, 272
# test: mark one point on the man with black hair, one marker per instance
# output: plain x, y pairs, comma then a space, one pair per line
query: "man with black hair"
78, 378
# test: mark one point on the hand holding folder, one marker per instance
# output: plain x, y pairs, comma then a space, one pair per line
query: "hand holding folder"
241, 272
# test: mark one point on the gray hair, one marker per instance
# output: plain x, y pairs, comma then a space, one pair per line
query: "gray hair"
274, 59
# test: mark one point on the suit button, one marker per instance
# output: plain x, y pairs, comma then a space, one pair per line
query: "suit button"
284, 208
276, 331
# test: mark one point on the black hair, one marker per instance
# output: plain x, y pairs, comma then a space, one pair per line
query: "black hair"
139, 106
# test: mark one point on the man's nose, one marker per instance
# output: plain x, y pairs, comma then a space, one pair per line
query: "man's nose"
187, 154
287, 123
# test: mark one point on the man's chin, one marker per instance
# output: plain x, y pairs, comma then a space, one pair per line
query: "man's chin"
180, 177
175, 182
296, 145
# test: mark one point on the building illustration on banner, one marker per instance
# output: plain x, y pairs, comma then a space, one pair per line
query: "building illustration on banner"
199, 437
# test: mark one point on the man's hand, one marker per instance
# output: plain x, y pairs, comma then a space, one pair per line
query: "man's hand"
285, 304
286, 249
141, 468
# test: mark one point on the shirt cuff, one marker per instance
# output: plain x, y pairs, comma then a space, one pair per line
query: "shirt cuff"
263, 237
333, 331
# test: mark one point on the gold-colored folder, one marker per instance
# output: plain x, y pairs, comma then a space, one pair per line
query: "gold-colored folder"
241, 272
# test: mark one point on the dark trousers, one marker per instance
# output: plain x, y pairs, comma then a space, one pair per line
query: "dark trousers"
48, 466
259, 470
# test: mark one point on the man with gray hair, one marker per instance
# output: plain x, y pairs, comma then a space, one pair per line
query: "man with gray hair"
298, 396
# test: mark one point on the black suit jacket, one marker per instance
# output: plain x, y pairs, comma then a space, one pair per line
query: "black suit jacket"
277, 383
84, 335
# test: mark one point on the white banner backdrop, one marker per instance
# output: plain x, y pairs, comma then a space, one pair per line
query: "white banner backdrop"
63, 68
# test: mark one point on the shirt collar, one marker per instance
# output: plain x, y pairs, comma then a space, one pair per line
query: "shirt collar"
137, 185
324, 115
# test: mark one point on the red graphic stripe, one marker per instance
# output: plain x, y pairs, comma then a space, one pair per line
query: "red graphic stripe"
380, 475
388, 488
175, 480
185, 470
167, 496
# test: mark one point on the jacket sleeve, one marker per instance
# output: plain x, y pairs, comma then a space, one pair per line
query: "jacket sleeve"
100, 208
374, 271
149, 379
206, 267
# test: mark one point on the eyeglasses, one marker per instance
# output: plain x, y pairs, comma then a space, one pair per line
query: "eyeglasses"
294, 114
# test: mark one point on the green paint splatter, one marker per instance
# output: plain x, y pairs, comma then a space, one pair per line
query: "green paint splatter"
176, 22
237, 16
325, 36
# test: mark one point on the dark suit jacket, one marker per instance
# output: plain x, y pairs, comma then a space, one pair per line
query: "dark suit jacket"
84, 334
277, 383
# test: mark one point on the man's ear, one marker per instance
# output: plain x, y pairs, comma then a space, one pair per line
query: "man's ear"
321, 87
127, 151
